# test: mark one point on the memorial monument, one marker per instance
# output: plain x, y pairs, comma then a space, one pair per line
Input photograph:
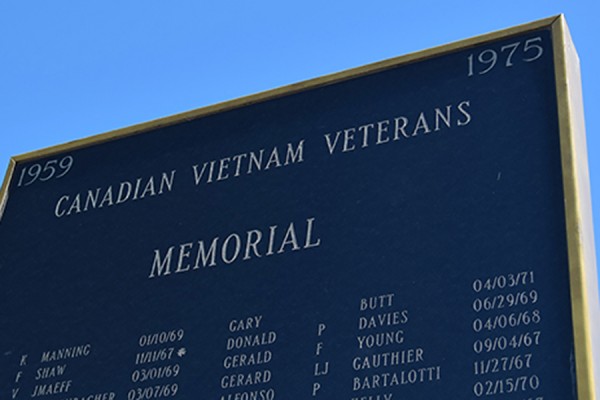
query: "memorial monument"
418, 228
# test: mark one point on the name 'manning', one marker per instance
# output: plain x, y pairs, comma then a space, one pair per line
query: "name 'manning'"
254, 243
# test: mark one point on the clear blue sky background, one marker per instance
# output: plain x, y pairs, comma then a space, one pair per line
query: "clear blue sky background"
70, 69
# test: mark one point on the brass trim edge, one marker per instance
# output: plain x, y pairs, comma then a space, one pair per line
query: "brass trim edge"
578, 215
4, 189
288, 89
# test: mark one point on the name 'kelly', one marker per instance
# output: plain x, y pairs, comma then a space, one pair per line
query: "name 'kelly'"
254, 243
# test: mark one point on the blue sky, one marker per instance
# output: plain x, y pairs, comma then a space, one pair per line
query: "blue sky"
70, 69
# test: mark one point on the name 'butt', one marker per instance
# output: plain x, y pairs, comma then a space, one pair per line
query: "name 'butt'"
254, 243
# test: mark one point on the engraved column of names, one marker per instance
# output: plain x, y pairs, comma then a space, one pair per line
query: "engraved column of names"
247, 374
19, 375
507, 325
321, 369
57, 371
385, 360
51, 376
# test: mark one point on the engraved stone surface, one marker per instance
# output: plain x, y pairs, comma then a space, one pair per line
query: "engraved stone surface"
394, 235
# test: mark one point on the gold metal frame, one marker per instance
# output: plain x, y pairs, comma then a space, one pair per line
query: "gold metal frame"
578, 211
579, 225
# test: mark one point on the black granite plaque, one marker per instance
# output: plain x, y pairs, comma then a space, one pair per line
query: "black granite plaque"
397, 232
